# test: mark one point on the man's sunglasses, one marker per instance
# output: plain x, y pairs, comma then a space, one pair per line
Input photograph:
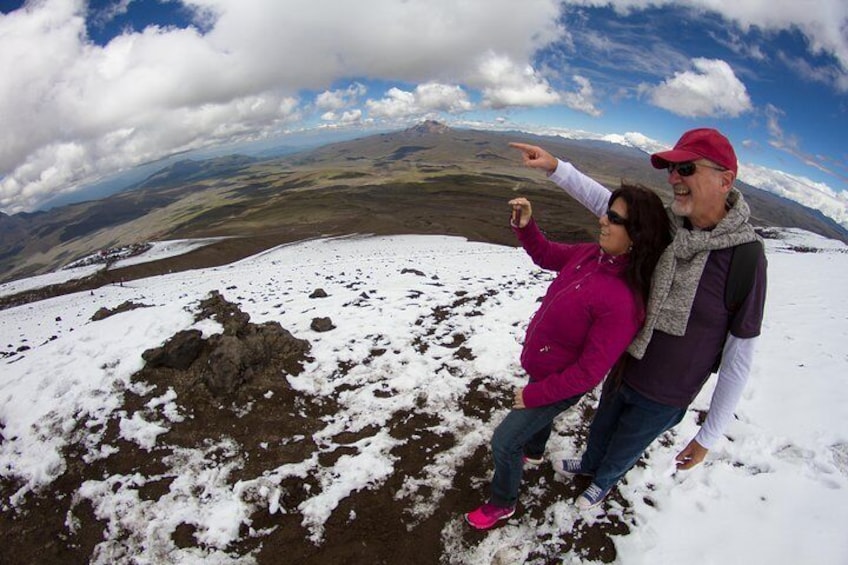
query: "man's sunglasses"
688, 168
616, 218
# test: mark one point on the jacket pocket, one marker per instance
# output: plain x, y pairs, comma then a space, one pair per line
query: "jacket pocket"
541, 360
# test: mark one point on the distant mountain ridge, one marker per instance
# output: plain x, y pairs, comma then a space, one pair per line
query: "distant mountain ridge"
428, 178
189, 170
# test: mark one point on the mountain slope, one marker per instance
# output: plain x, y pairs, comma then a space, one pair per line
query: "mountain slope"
428, 179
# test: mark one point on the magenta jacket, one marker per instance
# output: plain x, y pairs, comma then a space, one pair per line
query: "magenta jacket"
587, 319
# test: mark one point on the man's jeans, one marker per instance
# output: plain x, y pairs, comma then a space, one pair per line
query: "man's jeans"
523, 431
625, 424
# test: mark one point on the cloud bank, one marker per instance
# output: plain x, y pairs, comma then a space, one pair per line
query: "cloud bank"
74, 111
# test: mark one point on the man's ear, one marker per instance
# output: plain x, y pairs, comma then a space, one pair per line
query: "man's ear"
727, 178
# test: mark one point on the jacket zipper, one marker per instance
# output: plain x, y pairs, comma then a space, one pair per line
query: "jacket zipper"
538, 318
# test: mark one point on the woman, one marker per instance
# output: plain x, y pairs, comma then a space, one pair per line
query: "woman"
589, 315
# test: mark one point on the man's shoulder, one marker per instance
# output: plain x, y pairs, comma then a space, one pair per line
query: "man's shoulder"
742, 272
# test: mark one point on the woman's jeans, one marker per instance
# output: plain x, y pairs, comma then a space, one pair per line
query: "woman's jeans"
625, 424
523, 431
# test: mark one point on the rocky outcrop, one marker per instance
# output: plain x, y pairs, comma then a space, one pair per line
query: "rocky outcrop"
225, 361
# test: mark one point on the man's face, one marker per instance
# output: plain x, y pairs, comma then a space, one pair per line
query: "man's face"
700, 196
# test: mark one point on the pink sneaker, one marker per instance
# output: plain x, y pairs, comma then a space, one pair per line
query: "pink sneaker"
532, 461
488, 515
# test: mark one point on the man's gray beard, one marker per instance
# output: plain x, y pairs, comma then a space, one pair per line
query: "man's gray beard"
680, 209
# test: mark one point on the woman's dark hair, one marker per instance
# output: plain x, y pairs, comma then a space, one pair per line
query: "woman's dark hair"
649, 230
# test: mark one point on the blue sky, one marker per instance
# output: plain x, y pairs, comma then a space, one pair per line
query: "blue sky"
95, 88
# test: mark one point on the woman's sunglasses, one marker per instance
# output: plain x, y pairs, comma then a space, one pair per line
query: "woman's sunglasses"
616, 218
688, 168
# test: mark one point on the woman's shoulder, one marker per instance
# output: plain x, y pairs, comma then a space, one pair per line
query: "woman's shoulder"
579, 255
586, 250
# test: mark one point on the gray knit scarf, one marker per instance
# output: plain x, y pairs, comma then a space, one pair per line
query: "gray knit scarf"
680, 267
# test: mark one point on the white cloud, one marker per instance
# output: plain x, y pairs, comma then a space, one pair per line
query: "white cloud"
637, 140
103, 15
829, 75
506, 83
583, 100
822, 22
414, 41
427, 98
349, 117
339, 99
738, 43
442, 97
710, 88
773, 115
73, 111
791, 144
396, 104
810, 193
56, 168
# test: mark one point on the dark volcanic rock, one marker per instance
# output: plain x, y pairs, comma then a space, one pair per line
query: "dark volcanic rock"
225, 313
234, 359
322, 324
226, 361
106, 312
179, 352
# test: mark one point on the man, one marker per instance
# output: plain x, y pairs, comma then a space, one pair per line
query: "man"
688, 326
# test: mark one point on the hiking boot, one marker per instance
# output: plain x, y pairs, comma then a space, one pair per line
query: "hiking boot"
591, 497
488, 515
568, 467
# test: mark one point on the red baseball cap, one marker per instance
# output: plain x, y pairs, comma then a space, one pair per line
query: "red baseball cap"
701, 143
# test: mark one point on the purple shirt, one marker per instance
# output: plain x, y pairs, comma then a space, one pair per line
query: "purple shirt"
674, 368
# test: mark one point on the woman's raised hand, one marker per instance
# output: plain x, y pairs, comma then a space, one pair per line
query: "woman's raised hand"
521, 212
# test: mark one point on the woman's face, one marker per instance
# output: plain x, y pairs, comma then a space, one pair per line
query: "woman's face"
614, 239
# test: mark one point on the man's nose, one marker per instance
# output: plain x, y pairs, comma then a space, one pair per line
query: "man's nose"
674, 177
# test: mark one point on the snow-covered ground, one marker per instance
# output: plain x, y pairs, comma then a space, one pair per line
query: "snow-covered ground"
775, 492
158, 250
